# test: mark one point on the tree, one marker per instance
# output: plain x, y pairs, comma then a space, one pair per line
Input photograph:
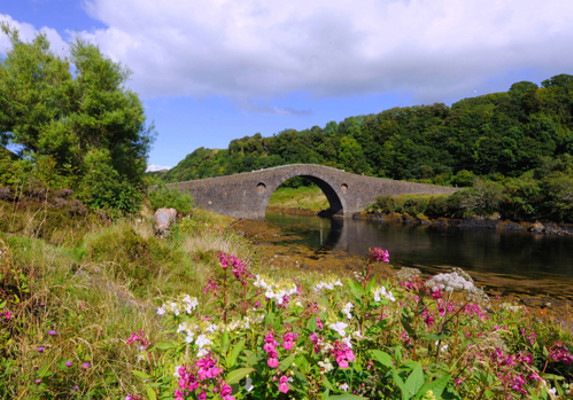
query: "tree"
70, 109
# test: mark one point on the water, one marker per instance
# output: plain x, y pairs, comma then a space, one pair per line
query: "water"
483, 250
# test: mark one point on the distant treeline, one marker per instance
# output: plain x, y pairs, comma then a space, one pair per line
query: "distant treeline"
521, 140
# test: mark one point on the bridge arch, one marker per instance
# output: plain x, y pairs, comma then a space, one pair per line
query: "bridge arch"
334, 194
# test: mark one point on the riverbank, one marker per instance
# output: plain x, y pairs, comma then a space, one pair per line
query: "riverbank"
548, 228
551, 295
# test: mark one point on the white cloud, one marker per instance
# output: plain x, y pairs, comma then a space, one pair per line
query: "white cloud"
27, 32
252, 51
153, 168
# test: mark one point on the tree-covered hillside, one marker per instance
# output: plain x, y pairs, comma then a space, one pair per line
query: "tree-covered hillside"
500, 133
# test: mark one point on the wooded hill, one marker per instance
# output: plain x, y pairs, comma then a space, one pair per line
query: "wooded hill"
521, 140
500, 133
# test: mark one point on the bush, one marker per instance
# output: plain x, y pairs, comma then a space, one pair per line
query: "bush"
102, 188
414, 205
385, 204
167, 197
437, 207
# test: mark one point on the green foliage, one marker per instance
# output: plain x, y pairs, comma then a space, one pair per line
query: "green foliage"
103, 188
62, 121
496, 137
168, 197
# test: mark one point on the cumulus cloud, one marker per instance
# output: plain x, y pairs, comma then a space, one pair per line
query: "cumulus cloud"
27, 32
253, 51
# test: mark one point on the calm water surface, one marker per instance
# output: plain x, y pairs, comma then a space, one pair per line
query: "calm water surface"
483, 250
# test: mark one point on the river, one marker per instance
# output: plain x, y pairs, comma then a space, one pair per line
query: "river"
517, 254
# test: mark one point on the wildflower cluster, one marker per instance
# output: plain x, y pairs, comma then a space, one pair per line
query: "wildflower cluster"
426, 343
280, 291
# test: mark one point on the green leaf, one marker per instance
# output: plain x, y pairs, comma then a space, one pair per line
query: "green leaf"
287, 362
141, 374
346, 396
311, 324
399, 382
356, 289
237, 374
408, 327
235, 351
436, 386
415, 381
151, 393
433, 337
383, 358
163, 346
327, 384
370, 284
225, 341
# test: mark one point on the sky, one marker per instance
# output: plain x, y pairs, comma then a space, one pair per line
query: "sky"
210, 71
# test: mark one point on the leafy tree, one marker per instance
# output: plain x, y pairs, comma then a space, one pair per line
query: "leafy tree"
72, 111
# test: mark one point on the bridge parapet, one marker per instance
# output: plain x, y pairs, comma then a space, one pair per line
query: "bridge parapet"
246, 195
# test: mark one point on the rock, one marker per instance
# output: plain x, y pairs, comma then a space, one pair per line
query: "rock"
164, 217
537, 227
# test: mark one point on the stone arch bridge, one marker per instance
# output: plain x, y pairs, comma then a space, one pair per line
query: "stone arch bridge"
247, 194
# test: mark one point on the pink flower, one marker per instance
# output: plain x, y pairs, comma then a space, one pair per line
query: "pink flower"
436, 293
377, 254
226, 390
273, 362
283, 384
40, 349
68, 363
52, 332
85, 365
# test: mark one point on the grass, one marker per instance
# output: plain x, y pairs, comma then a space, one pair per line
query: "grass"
304, 198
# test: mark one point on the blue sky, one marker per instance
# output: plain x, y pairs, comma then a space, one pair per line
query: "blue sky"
209, 71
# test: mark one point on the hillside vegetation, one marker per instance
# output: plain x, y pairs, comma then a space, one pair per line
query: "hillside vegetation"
514, 148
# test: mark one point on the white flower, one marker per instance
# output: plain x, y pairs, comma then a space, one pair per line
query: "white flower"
269, 294
382, 292
339, 328
202, 341
346, 310
249, 384
260, 282
346, 341
190, 304
212, 328
189, 337
161, 310
553, 391
174, 308
344, 387
326, 365
176, 373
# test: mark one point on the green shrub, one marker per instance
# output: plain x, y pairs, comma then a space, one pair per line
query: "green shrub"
385, 204
414, 205
437, 207
167, 197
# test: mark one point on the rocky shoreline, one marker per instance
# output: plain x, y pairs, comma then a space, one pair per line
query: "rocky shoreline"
547, 228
